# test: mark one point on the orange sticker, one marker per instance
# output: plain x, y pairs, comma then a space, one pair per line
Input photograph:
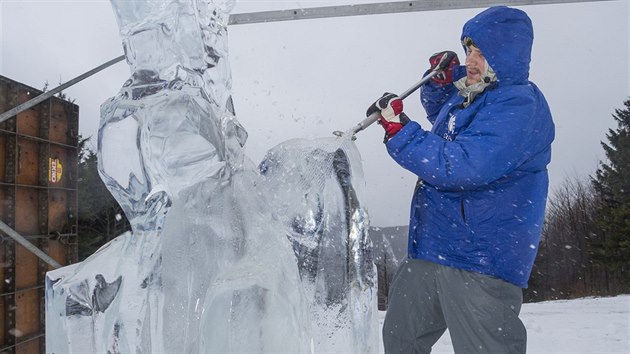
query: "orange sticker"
55, 170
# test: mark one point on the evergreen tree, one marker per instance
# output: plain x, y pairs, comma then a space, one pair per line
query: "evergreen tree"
612, 185
100, 217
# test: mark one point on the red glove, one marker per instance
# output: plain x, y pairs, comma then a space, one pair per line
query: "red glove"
445, 77
392, 118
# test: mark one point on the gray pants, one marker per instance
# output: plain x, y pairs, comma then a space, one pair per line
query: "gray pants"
480, 312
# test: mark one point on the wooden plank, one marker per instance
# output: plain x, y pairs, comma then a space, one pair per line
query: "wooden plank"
26, 203
27, 318
26, 268
28, 121
30, 347
62, 211
58, 131
71, 178
27, 162
59, 251
58, 220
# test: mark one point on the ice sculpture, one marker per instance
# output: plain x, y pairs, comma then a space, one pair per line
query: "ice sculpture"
209, 265
316, 188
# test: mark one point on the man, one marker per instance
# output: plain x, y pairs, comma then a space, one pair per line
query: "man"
478, 207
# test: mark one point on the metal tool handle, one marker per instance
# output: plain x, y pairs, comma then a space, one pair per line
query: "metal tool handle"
372, 118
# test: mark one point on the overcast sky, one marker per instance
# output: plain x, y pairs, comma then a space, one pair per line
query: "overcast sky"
308, 78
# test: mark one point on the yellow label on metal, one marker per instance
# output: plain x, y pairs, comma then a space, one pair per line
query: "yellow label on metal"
55, 169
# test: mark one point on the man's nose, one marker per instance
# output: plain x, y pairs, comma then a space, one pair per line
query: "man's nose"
470, 59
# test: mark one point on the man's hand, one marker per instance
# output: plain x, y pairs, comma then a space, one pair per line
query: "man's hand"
450, 61
390, 107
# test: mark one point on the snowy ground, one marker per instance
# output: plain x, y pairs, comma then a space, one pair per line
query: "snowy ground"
585, 326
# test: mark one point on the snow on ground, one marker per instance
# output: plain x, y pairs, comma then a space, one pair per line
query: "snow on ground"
580, 326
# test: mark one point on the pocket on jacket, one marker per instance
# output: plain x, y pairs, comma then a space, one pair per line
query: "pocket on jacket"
481, 210
446, 212
463, 209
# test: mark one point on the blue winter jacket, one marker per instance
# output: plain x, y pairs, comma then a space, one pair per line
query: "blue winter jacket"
480, 200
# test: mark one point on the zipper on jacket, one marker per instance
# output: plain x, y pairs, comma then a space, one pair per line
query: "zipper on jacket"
419, 184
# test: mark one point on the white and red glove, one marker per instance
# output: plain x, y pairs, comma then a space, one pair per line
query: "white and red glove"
392, 118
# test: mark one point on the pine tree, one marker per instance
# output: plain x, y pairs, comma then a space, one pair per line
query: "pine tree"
612, 185
100, 217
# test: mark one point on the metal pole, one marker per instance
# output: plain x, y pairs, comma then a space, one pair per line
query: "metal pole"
372, 118
46, 95
380, 8
29, 246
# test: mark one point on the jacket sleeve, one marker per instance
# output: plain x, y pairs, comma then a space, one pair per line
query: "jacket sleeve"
433, 96
498, 140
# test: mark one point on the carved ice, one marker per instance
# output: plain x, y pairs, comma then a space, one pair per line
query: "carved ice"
222, 257
316, 188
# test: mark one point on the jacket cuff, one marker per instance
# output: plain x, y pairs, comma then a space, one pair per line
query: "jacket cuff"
403, 137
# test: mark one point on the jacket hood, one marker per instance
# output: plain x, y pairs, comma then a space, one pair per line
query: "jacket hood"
505, 36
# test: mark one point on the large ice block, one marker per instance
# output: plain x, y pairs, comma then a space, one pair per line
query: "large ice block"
317, 189
221, 258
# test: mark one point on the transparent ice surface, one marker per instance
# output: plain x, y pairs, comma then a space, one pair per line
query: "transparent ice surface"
222, 257
316, 188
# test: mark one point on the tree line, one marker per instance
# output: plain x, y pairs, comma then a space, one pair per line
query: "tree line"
100, 219
585, 246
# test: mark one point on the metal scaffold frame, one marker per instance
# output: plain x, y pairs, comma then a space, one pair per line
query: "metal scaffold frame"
381, 8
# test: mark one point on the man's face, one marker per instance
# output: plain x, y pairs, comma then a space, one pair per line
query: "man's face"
475, 65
